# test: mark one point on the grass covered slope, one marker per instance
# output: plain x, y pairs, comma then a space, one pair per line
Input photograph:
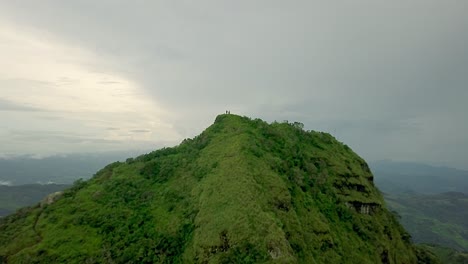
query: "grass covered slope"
243, 191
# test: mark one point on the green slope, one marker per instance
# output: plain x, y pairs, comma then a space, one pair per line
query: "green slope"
243, 191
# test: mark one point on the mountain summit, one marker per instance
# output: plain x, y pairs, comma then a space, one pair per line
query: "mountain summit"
243, 191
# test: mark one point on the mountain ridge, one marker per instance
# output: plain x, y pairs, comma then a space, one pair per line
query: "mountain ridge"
242, 191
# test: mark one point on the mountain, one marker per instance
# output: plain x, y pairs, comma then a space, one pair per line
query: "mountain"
435, 219
243, 191
401, 177
14, 197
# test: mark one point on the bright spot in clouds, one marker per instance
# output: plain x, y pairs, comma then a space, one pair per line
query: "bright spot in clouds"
388, 78
53, 91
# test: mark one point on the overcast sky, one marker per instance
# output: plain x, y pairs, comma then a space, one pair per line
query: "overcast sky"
388, 78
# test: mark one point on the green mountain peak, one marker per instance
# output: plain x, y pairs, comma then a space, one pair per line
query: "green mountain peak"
243, 191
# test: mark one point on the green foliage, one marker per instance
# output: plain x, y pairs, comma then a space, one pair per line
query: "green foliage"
244, 253
243, 191
425, 255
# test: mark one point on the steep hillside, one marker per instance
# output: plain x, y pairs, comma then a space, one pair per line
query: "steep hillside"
243, 191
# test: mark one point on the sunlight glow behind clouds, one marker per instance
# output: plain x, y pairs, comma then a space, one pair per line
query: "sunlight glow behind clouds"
67, 95
386, 77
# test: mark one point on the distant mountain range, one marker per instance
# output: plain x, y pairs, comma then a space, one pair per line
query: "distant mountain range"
15, 197
431, 201
407, 177
434, 218
61, 169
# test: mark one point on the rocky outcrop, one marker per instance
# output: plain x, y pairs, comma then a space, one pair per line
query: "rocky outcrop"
364, 208
51, 198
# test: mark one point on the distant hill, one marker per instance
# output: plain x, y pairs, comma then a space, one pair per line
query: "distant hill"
15, 197
243, 191
402, 177
447, 255
63, 169
432, 201
440, 219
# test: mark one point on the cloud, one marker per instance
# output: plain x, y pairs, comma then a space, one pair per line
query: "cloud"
140, 131
389, 78
5, 183
57, 137
6, 105
108, 82
52, 90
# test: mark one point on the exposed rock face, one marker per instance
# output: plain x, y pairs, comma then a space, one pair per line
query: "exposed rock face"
51, 198
364, 208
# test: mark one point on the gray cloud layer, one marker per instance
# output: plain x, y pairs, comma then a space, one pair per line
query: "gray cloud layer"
387, 77
6, 105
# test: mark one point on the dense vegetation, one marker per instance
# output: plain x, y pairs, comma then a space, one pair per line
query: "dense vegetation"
436, 219
243, 191
15, 197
